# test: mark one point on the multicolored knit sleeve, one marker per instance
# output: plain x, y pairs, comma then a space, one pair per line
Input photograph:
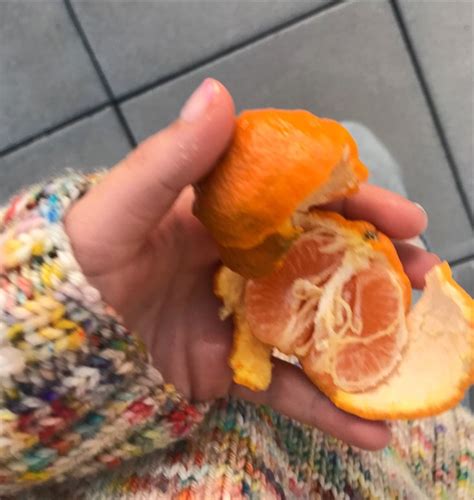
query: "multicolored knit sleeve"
77, 390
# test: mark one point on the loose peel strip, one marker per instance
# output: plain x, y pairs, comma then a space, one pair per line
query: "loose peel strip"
250, 359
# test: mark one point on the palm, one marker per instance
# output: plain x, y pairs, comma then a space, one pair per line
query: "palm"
163, 290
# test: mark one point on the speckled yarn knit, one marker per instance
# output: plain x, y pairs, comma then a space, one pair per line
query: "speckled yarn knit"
79, 399
78, 393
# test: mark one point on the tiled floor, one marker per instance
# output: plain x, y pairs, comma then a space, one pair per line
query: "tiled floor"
309, 65
436, 33
82, 81
46, 76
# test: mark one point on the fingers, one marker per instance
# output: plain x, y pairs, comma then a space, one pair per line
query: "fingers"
142, 187
416, 262
391, 213
398, 218
292, 394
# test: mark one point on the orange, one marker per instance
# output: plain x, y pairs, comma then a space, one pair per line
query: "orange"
279, 162
311, 286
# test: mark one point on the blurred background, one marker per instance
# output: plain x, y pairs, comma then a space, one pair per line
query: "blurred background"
82, 81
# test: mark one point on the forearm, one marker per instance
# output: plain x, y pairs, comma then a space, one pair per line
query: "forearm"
77, 390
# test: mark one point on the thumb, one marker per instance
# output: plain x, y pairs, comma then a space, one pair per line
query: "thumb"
137, 193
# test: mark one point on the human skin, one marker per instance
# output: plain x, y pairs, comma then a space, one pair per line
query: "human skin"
138, 243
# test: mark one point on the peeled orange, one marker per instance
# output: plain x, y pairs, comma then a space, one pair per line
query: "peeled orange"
328, 291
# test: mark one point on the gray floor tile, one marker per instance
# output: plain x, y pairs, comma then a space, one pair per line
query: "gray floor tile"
464, 275
447, 62
139, 42
46, 76
460, 250
385, 171
94, 142
326, 64
469, 399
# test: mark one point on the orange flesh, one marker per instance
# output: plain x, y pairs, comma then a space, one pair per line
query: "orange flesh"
360, 363
367, 350
269, 301
372, 297
376, 302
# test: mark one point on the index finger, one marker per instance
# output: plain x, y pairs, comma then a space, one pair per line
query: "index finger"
391, 213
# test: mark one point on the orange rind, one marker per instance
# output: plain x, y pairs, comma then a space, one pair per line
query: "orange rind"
280, 161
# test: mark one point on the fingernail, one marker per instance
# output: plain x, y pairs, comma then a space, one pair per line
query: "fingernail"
417, 241
425, 215
196, 106
421, 209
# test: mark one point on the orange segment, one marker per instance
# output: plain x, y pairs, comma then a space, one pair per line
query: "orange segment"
374, 300
368, 356
361, 349
271, 301
360, 364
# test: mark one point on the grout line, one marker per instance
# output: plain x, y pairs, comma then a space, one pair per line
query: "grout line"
126, 96
100, 73
432, 108
54, 128
114, 102
461, 260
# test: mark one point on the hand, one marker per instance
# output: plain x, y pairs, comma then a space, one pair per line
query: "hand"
137, 241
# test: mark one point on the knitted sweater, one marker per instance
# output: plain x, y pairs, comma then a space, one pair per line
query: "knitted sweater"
84, 414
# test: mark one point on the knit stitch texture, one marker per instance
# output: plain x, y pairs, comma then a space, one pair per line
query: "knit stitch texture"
80, 399
77, 390
247, 452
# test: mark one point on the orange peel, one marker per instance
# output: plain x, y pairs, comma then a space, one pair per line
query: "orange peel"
280, 161
329, 292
